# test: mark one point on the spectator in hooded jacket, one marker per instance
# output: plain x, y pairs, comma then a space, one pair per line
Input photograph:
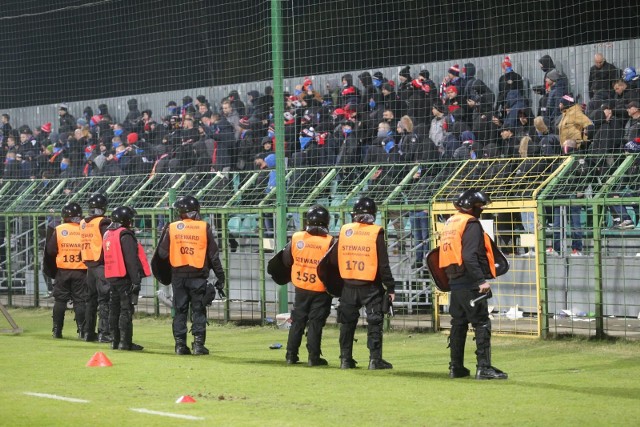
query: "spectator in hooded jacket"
574, 124
509, 80
547, 65
558, 87
66, 120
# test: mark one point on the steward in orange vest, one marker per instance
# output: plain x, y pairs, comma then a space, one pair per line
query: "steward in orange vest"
92, 228
362, 259
468, 259
63, 262
125, 265
190, 247
312, 303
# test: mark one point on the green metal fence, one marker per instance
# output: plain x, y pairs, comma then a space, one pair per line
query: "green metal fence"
597, 293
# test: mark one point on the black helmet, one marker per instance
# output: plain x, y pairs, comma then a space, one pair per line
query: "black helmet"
123, 215
97, 201
318, 216
364, 205
187, 204
471, 198
71, 210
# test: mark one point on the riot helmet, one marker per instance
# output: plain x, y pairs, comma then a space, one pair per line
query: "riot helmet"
123, 215
187, 206
472, 201
364, 205
318, 216
97, 204
71, 211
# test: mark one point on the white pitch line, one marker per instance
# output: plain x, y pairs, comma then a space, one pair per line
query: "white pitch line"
56, 397
166, 414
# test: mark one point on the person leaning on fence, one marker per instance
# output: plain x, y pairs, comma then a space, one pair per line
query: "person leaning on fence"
191, 249
312, 302
92, 228
362, 260
125, 265
466, 256
63, 263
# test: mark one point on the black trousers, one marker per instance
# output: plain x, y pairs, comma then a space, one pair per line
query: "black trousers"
121, 314
461, 315
353, 298
189, 292
97, 301
310, 310
70, 285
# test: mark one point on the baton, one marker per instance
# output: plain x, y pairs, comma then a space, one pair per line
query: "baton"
473, 302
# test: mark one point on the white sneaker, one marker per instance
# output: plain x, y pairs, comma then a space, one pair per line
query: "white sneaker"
627, 224
576, 252
552, 252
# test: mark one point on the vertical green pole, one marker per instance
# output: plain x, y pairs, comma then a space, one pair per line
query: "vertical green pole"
278, 113
543, 297
7, 247
154, 238
598, 210
36, 263
172, 200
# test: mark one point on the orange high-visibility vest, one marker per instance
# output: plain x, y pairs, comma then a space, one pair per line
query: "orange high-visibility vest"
91, 239
187, 243
114, 266
357, 252
307, 251
69, 244
451, 242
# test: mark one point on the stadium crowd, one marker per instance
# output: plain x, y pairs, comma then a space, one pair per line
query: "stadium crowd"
370, 119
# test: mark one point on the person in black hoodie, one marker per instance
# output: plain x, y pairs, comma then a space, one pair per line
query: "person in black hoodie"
509, 80
132, 121
608, 137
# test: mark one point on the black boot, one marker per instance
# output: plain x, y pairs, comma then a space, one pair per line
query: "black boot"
59, 308
57, 331
115, 341
104, 338
379, 364
198, 345
347, 333
457, 341
126, 342
181, 346
347, 363
484, 369
317, 361
292, 359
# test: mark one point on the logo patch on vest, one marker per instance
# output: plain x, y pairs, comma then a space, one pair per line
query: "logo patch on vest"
65, 233
180, 226
348, 233
83, 225
300, 245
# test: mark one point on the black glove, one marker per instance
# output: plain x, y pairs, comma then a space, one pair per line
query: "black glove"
220, 288
135, 288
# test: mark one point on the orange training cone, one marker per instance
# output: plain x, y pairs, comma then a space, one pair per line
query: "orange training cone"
186, 399
99, 359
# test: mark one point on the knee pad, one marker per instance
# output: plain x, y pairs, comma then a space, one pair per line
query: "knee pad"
375, 318
347, 314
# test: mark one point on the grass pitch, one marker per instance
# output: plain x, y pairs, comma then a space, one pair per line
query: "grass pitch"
244, 383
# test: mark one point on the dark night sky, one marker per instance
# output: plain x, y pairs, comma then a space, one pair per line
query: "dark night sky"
71, 50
